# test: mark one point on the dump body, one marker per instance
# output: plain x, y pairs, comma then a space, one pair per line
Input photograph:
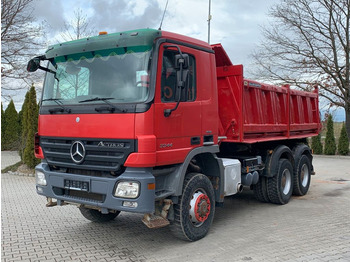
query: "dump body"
252, 112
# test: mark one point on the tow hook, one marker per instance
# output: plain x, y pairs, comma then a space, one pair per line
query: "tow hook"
159, 218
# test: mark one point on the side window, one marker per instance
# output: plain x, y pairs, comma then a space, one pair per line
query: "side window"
168, 79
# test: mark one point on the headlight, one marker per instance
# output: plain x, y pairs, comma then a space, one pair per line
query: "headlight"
127, 189
40, 178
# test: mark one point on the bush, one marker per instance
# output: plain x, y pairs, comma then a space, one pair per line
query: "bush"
343, 144
10, 138
330, 146
316, 145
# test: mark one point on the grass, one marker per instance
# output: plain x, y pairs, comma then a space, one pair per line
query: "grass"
12, 168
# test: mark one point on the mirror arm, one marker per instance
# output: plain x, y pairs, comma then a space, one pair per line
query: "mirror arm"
177, 47
167, 112
47, 69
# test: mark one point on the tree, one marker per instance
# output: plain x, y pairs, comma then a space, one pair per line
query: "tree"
343, 144
30, 118
2, 126
316, 145
307, 45
24, 126
11, 128
20, 37
330, 147
78, 27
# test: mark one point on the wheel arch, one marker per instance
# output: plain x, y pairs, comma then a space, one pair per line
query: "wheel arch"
209, 165
302, 149
279, 152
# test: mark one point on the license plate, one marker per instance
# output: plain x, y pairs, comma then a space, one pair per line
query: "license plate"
76, 185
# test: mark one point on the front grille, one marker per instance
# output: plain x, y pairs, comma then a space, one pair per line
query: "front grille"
86, 196
109, 155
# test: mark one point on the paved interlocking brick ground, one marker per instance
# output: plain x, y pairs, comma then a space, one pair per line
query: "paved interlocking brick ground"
9, 158
315, 227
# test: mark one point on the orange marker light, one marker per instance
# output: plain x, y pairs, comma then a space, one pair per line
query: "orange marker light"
151, 186
102, 33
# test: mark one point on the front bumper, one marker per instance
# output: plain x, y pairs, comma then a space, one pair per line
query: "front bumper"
100, 191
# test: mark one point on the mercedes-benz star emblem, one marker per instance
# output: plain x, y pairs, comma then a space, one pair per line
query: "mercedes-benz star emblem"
77, 152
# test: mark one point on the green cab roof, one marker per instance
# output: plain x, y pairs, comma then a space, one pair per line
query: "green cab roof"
133, 38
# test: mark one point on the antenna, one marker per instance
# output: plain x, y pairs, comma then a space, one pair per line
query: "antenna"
161, 22
209, 18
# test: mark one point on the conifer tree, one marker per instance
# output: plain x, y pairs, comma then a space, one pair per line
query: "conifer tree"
343, 144
2, 126
11, 128
24, 126
330, 147
31, 120
316, 145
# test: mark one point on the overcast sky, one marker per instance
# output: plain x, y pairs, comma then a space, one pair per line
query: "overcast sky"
235, 23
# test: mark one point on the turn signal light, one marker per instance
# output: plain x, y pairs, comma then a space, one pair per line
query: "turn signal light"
102, 33
38, 152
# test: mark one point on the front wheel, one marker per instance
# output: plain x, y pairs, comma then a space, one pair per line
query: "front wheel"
96, 216
194, 213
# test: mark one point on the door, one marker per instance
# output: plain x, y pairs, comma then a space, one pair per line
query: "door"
178, 133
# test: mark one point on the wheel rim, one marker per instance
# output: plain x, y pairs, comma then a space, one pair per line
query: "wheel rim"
304, 175
199, 208
286, 181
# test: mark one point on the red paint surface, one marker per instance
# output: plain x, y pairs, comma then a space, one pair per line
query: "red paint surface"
252, 112
119, 126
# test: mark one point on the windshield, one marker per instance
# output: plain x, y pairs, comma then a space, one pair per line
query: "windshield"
94, 77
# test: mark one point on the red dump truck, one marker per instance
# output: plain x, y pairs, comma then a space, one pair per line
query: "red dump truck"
153, 122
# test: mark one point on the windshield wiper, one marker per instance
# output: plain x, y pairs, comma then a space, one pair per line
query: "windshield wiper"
58, 102
111, 107
104, 99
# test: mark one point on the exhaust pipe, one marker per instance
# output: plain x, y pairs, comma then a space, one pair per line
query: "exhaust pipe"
239, 187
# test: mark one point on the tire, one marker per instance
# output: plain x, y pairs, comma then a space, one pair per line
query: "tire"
195, 210
96, 216
280, 187
302, 176
260, 190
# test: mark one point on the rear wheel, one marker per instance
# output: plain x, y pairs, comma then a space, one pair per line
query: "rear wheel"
195, 211
280, 187
302, 176
96, 216
260, 190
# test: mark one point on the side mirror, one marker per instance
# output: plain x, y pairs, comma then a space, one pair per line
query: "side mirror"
182, 62
182, 59
33, 64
